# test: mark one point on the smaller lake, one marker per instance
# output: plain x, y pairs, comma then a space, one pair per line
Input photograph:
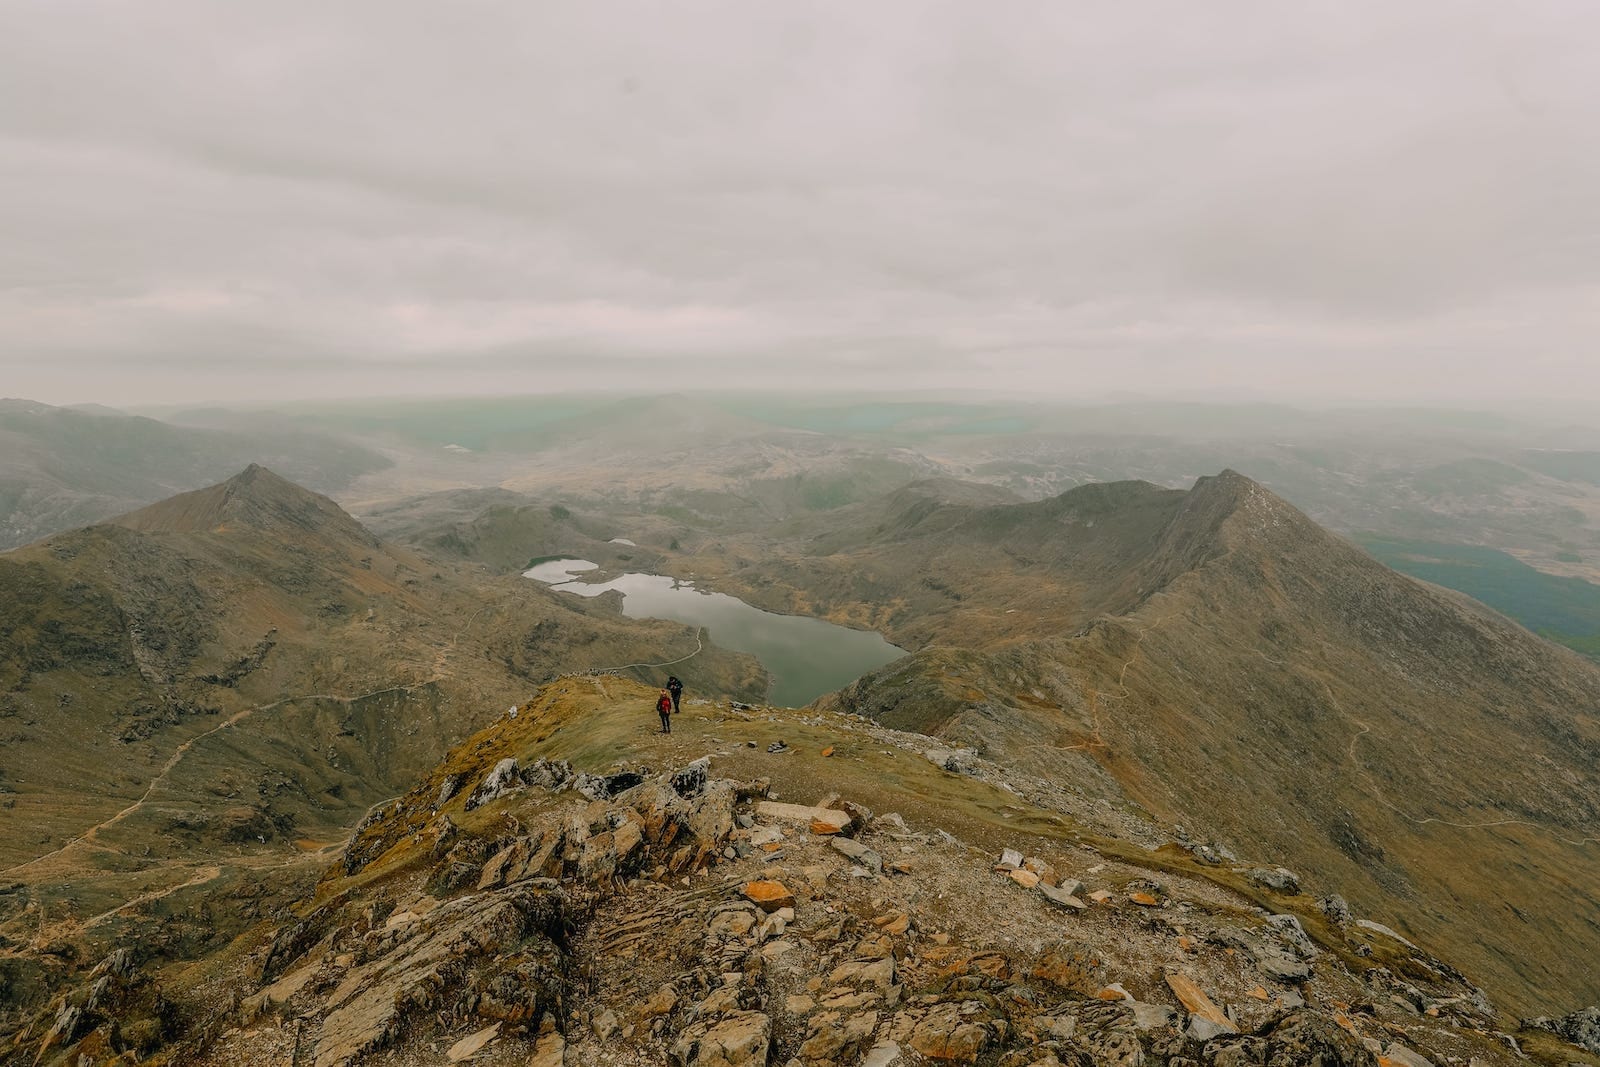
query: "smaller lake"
806, 657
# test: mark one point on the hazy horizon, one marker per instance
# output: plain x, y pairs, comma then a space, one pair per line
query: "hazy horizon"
1337, 205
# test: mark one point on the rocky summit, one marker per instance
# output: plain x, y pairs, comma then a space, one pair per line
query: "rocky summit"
569, 887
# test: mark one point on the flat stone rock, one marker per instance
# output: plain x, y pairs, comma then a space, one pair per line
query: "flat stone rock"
884, 1055
1379, 928
1400, 1056
1192, 997
859, 853
551, 1051
1202, 1029
472, 1044
813, 817
1283, 967
1151, 1016
1023, 877
1060, 898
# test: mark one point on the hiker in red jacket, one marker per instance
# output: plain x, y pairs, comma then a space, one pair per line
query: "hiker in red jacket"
664, 709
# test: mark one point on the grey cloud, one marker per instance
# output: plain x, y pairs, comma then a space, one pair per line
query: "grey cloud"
1368, 199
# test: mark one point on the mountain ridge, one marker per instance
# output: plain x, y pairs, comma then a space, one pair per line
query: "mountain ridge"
1221, 661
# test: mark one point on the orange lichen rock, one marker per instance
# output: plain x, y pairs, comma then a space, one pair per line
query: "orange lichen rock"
769, 896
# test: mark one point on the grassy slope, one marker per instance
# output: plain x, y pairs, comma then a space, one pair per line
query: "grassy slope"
1563, 609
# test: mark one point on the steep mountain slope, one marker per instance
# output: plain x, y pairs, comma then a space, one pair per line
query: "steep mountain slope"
1228, 665
60, 468
569, 888
217, 686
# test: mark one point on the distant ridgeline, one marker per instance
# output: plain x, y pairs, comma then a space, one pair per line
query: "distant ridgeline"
1566, 610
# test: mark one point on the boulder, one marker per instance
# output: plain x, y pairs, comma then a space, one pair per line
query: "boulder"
831, 1039
1283, 967
1302, 1037
956, 761
743, 1039
731, 924
501, 781
690, 781
1277, 879
1071, 968
605, 1025
1294, 935
1582, 1028
1336, 909
1400, 1056
946, 1033
1106, 1030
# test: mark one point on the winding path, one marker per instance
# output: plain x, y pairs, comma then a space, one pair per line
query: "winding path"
1098, 741
88, 836
1378, 795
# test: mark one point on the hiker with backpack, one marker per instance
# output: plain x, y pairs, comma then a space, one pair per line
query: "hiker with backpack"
675, 687
664, 709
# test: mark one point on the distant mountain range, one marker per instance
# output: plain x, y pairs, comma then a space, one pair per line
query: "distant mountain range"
63, 467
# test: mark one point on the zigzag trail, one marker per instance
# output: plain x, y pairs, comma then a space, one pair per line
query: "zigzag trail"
89, 836
1377, 794
1098, 741
1371, 786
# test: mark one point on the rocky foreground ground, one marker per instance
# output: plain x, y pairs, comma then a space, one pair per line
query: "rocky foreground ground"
514, 909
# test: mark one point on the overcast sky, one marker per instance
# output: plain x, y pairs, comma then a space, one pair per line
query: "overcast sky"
251, 200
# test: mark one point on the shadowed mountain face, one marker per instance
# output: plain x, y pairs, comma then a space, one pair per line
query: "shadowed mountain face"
1231, 667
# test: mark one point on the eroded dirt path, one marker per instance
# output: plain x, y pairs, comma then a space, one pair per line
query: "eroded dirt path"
89, 837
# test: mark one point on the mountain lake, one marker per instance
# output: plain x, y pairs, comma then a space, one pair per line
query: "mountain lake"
806, 657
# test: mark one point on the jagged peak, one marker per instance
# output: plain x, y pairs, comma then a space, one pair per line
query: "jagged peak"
1245, 506
255, 498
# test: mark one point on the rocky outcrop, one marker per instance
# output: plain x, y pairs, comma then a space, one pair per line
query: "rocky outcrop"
1582, 1028
689, 919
